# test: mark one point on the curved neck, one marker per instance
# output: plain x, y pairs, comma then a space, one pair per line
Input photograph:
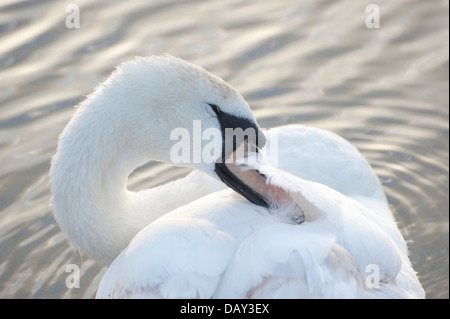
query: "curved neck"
89, 175
90, 197
91, 203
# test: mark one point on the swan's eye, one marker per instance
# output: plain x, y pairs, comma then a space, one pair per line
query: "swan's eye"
215, 108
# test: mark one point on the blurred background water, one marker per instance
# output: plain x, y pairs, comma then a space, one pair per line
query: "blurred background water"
311, 62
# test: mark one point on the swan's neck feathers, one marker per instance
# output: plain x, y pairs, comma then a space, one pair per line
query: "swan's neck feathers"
89, 183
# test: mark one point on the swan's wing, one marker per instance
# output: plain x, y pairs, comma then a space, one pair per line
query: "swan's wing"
321, 156
234, 249
324, 157
225, 247
182, 259
184, 253
291, 261
368, 234
282, 261
371, 239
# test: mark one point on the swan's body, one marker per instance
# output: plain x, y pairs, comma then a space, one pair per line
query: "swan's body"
196, 238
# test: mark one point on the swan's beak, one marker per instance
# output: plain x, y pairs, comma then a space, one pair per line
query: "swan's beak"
240, 166
242, 172
238, 184
240, 137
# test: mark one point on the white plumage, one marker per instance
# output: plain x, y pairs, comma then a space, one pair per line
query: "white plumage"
195, 238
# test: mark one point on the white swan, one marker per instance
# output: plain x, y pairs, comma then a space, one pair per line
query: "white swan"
196, 238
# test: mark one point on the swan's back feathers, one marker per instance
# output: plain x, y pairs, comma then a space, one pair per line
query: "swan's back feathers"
234, 251
222, 246
193, 245
279, 261
324, 157
191, 254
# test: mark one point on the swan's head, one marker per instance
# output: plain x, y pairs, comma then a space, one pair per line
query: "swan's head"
173, 111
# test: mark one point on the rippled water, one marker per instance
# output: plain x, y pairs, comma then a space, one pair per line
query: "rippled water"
310, 62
